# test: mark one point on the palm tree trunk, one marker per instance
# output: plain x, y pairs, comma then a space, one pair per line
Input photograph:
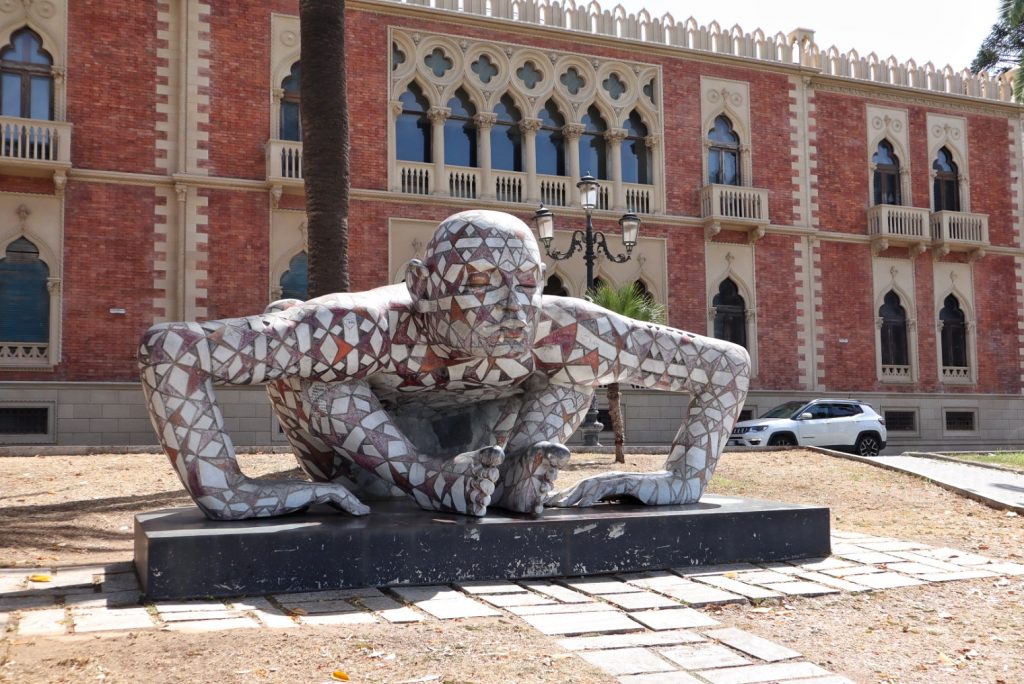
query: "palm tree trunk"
325, 143
615, 413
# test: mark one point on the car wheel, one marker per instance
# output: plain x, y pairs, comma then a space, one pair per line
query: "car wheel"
782, 440
867, 445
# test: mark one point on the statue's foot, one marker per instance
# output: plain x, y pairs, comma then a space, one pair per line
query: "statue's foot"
463, 484
654, 489
250, 498
527, 481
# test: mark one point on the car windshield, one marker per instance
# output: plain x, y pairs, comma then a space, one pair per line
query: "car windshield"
785, 410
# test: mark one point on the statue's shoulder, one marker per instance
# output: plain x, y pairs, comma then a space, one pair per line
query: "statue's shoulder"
554, 306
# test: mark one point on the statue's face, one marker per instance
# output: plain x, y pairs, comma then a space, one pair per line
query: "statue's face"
485, 276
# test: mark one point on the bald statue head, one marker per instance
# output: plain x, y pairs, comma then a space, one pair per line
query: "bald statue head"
478, 288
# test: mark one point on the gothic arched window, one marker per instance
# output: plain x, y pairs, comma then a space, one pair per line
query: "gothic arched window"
460, 131
954, 333
551, 141
887, 175
555, 286
295, 281
24, 298
946, 187
412, 128
593, 145
636, 157
26, 84
506, 137
291, 122
730, 313
893, 331
724, 153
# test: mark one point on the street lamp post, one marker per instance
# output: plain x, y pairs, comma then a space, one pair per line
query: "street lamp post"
590, 241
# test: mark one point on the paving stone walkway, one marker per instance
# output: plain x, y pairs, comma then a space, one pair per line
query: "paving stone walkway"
1003, 488
643, 628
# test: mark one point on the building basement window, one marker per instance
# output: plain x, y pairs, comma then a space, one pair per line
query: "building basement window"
901, 421
960, 421
24, 420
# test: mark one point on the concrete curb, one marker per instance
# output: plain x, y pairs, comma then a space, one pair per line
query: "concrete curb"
954, 459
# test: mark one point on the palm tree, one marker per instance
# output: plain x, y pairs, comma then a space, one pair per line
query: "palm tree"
325, 143
633, 302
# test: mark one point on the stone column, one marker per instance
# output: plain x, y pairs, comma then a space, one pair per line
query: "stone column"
572, 134
529, 127
615, 136
657, 179
484, 123
277, 94
438, 180
394, 171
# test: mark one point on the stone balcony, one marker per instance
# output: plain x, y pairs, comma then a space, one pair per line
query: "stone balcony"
284, 163
891, 225
33, 147
958, 231
734, 207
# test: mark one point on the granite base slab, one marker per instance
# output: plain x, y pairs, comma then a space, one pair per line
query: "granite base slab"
179, 553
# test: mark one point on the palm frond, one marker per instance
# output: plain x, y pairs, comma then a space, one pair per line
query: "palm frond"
630, 301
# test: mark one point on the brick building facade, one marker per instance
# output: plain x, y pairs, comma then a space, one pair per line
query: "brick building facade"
857, 222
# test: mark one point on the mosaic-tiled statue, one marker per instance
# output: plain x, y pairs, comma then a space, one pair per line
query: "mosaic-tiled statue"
457, 387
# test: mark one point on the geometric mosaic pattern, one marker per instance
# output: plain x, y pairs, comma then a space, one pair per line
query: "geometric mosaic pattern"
456, 388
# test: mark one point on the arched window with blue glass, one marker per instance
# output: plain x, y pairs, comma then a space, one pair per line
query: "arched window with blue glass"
506, 136
886, 177
946, 186
291, 121
26, 82
460, 131
723, 153
24, 297
594, 145
636, 156
295, 281
551, 141
412, 128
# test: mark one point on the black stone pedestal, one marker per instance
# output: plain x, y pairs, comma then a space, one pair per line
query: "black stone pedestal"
180, 554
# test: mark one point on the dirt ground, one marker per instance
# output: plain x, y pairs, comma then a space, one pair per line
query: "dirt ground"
60, 510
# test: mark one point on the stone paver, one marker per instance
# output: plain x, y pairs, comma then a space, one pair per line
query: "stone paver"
802, 588
185, 615
753, 645
1003, 488
767, 576
189, 607
965, 574
829, 563
703, 656
625, 661
318, 607
606, 641
1012, 569
715, 569
558, 592
595, 586
332, 595
676, 677
673, 618
834, 582
267, 613
569, 624
118, 599
11, 603
432, 593
870, 557
556, 608
390, 610
490, 587
887, 580
748, 674
697, 595
639, 600
523, 599
118, 619
326, 619
449, 608
737, 587
213, 625
45, 622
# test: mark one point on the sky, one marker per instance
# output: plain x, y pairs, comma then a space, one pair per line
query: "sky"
942, 31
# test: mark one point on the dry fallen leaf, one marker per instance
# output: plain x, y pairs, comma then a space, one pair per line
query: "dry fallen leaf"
732, 574
298, 611
339, 676
40, 578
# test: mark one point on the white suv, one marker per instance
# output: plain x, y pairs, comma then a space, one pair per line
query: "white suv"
843, 424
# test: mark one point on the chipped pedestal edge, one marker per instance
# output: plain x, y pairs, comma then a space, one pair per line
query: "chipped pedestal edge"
179, 553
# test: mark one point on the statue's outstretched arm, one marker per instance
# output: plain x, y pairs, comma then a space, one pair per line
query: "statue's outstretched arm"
611, 348
181, 362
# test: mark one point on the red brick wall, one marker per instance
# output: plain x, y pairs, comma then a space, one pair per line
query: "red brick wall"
842, 163
237, 253
778, 338
111, 88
